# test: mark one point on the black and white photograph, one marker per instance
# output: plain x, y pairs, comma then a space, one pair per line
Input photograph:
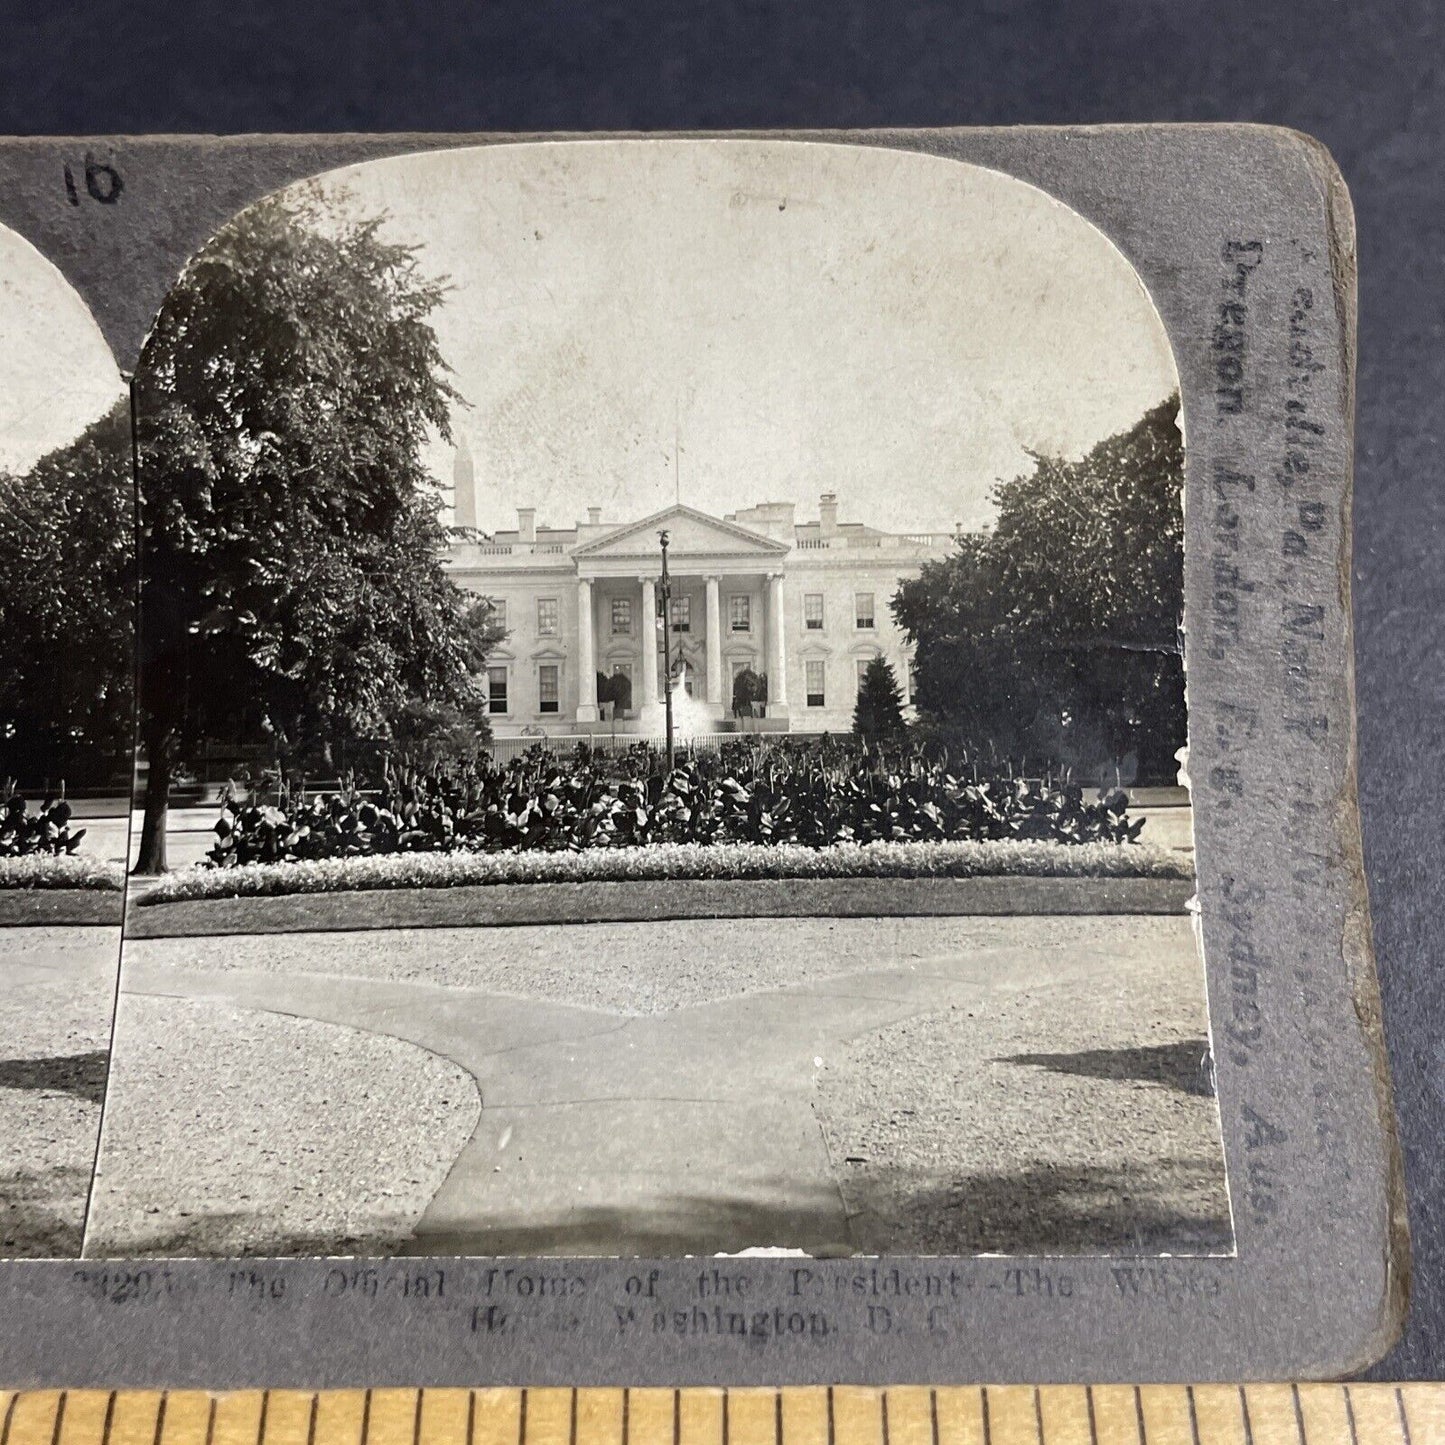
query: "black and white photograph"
660, 723
67, 659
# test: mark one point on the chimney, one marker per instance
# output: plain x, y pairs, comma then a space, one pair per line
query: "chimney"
527, 524
594, 516
828, 514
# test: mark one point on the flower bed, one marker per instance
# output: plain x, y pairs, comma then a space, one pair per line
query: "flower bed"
45, 870
816, 794
44, 833
665, 862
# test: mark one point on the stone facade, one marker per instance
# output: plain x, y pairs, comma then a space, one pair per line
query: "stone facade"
806, 604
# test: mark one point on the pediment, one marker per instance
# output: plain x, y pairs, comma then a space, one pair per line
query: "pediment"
691, 535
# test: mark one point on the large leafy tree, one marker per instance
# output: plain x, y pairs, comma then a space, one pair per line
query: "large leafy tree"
1057, 635
67, 611
291, 579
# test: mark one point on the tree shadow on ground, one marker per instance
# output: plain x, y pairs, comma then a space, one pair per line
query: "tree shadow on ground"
1176, 1208
667, 1225
1179, 1207
1186, 1065
243, 1236
41, 1213
82, 1075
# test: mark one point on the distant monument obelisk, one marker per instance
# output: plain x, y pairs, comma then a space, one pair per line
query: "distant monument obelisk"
464, 487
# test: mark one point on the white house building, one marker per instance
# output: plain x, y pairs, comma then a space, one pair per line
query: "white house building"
804, 603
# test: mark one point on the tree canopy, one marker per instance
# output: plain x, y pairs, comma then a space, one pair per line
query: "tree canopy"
67, 611
616, 688
750, 689
1057, 634
292, 586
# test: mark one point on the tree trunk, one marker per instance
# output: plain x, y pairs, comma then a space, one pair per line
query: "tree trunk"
151, 859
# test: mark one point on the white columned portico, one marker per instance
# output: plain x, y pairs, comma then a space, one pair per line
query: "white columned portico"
777, 705
714, 649
586, 663
647, 630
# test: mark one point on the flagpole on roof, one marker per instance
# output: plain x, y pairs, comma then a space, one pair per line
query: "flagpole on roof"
676, 456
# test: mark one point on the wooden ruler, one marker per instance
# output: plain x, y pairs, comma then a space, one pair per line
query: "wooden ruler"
842, 1415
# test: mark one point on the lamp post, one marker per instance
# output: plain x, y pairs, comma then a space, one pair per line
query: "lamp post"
667, 650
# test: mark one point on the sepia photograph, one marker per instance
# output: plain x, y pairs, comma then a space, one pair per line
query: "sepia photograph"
67, 661
659, 722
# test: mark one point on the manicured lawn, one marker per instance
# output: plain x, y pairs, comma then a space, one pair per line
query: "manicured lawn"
504, 905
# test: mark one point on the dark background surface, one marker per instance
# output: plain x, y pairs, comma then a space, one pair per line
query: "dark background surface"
1364, 78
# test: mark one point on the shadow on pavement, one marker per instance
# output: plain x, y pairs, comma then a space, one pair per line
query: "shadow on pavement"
1181, 1210
1186, 1065
1175, 1208
82, 1075
41, 1211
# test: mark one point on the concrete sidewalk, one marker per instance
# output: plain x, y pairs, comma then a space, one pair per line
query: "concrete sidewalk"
57, 989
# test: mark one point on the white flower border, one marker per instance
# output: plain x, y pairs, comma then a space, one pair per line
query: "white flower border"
43, 870
661, 862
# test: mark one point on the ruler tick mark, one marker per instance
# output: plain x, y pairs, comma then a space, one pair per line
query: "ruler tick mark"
522, 1418
110, 1416
60, 1416
1193, 1414
883, 1414
311, 1419
160, 1418
1244, 1416
831, 1434
210, 1422
1404, 1419
1350, 1416
572, 1423
261, 1423
1039, 1417
416, 1419
627, 1415
933, 1413
1139, 1417
366, 1414
1299, 1415
987, 1423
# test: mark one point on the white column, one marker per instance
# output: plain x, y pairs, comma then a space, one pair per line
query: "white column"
715, 697
777, 649
648, 707
587, 666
